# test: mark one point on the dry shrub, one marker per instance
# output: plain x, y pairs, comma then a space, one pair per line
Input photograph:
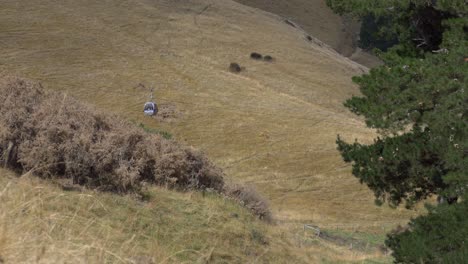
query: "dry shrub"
248, 197
54, 135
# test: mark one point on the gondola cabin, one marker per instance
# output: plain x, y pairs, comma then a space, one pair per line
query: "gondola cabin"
150, 109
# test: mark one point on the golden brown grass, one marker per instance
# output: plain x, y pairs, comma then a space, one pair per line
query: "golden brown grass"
274, 125
43, 224
40, 223
316, 18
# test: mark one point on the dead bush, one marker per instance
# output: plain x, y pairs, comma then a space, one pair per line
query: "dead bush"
54, 135
248, 197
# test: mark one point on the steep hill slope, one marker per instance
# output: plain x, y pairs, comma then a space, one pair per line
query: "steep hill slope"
41, 223
316, 18
273, 125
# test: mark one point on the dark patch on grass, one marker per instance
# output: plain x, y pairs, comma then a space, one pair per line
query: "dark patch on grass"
268, 58
258, 237
256, 56
235, 67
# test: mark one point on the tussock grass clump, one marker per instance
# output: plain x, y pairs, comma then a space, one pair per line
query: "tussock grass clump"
53, 135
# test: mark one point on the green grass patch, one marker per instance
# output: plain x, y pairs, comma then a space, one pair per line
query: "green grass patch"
358, 241
153, 131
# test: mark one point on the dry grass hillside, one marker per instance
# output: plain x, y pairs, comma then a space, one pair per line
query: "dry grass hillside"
42, 223
317, 19
273, 125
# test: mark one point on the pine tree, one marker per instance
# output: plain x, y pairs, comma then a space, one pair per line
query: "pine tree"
439, 237
418, 103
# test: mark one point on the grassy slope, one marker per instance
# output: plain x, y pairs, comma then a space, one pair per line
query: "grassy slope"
274, 125
316, 18
41, 223
52, 226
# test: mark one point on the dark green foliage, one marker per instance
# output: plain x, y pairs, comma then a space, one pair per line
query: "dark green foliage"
397, 168
416, 23
426, 98
418, 103
371, 37
439, 237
